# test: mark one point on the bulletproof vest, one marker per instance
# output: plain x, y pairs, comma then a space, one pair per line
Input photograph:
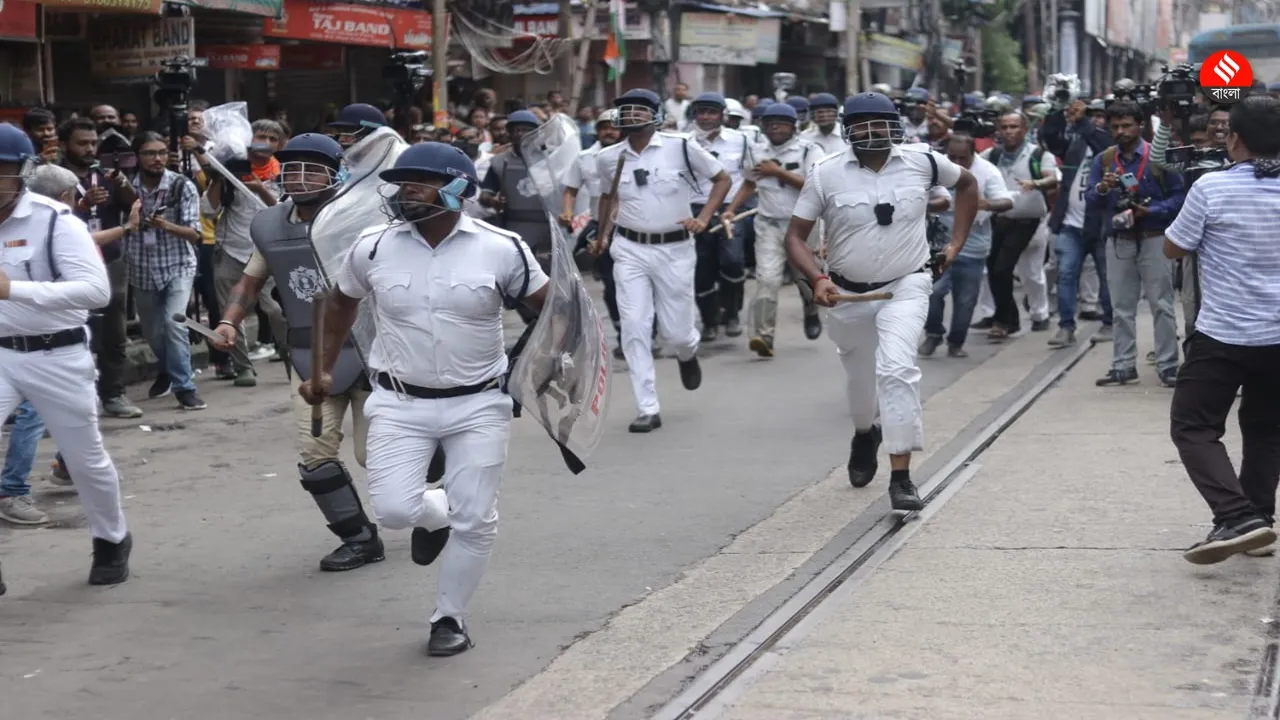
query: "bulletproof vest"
287, 250
524, 214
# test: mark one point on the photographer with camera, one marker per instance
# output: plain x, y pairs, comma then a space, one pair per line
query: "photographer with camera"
1229, 221
1070, 134
1137, 201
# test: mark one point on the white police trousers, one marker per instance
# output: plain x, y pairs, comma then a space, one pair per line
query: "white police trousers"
654, 279
403, 435
877, 344
61, 387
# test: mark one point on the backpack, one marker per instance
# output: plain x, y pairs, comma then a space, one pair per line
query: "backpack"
1109, 160
1033, 163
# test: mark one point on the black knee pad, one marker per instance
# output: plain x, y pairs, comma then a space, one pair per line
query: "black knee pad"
330, 485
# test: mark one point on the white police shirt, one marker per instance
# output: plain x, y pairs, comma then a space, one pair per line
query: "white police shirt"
585, 175
832, 142
662, 201
776, 198
844, 194
37, 304
732, 149
438, 311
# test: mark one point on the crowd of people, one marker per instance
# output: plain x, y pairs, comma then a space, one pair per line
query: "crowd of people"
881, 207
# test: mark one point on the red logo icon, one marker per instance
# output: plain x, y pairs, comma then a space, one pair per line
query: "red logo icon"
1226, 76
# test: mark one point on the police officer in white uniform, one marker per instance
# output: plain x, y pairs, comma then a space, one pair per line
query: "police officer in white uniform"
653, 255
782, 163
873, 199
826, 131
51, 276
721, 273
439, 281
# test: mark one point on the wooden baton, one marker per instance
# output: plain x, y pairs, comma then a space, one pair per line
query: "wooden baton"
317, 358
604, 230
868, 297
736, 218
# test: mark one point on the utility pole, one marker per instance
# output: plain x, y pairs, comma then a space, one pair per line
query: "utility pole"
564, 60
440, 63
578, 75
852, 29
1030, 35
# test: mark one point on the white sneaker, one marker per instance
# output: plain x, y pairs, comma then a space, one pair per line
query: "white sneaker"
262, 352
22, 510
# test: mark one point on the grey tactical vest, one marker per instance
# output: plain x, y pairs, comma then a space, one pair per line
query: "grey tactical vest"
285, 247
524, 214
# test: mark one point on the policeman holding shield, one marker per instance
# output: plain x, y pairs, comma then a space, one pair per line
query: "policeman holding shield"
873, 199
439, 281
508, 189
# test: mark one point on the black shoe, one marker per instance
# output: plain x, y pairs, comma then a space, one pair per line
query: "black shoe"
710, 333
930, 345
903, 495
1118, 377
2, 588
956, 351
618, 354
110, 561
160, 387
1169, 377
1226, 540
732, 326
351, 555
645, 423
189, 400
984, 324
761, 345
862, 457
813, 326
426, 545
1090, 316
690, 373
1040, 325
447, 638
225, 372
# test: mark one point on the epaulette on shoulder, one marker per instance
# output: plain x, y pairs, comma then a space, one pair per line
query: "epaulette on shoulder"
827, 158
674, 134
495, 229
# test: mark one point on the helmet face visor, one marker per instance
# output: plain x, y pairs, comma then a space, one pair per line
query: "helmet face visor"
873, 132
13, 176
635, 115
304, 180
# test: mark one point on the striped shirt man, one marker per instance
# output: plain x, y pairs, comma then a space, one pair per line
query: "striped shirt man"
155, 257
1229, 219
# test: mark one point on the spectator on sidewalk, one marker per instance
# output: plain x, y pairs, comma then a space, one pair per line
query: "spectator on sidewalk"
1135, 264
162, 266
963, 279
16, 504
1229, 221
102, 200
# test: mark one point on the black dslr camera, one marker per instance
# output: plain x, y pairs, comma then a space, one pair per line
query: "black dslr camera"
1177, 89
406, 73
978, 122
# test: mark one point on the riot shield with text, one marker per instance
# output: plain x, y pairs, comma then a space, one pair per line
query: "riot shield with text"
227, 129
562, 374
357, 207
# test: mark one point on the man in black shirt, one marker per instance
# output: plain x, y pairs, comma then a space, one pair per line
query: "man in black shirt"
103, 201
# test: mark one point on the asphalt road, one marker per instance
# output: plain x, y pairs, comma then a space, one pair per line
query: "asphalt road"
227, 615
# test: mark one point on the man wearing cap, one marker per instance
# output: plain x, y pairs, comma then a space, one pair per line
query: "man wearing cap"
506, 188
825, 132
721, 271
654, 258
801, 105
874, 200
355, 122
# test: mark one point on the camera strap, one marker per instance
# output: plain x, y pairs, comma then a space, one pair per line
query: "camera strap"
1142, 166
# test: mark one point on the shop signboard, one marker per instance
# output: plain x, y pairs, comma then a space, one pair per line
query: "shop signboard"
266, 8
718, 39
241, 57
312, 57
352, 25
130, 48
17, 20
106, 6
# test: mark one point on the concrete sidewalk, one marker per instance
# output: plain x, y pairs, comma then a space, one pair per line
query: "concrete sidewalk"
1050, 586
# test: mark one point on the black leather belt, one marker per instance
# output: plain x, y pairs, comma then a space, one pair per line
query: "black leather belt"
386, 382
652, 238
859, 287
39, 343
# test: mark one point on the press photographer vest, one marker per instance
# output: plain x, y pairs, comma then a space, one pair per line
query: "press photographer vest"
292, 262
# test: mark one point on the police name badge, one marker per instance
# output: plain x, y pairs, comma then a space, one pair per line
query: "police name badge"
95, 224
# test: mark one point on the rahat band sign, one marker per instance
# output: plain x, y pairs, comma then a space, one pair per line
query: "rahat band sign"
1226, 77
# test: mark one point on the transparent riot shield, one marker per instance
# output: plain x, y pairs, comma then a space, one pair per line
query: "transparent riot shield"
357, 207
562, 375
228, 130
